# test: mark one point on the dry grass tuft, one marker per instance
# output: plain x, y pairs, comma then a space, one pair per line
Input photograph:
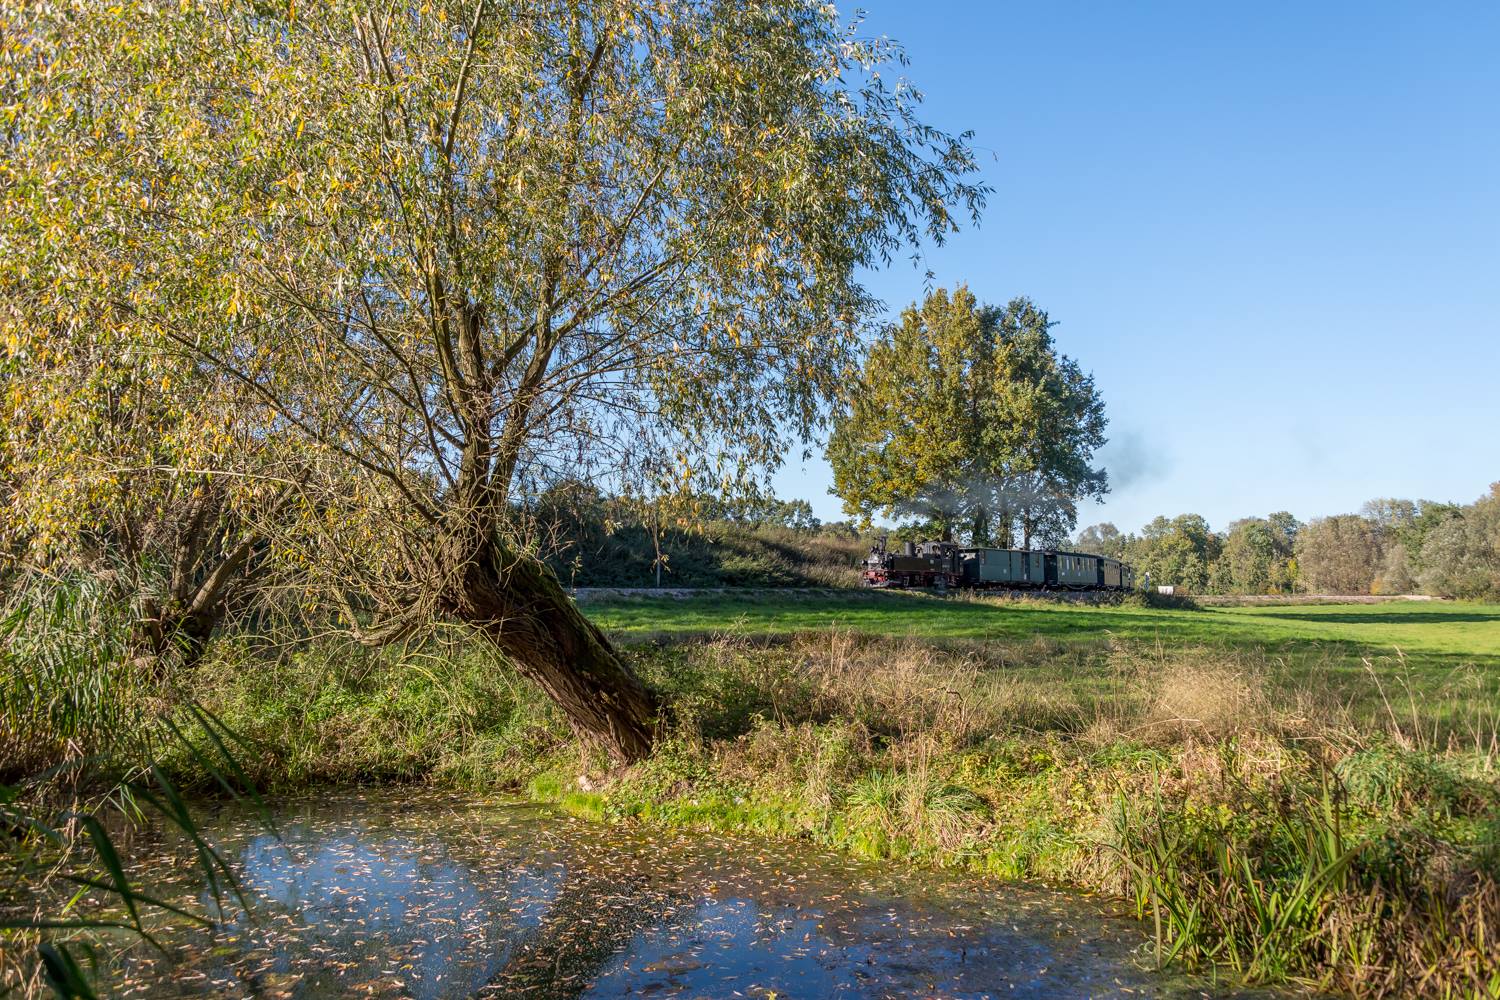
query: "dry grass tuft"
1215, 700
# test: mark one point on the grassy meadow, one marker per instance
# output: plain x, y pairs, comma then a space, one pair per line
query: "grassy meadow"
1285, 793
1439, 660
1461, 632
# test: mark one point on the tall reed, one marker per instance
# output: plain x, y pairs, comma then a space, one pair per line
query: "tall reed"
77, 750
1284, 889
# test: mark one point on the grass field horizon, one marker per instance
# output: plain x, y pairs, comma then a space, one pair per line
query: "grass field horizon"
1450, 631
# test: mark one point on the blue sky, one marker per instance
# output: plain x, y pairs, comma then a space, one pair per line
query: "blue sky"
1271, 231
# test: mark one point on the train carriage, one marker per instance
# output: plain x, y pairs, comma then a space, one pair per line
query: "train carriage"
1072, 570
944, 565
1002, 568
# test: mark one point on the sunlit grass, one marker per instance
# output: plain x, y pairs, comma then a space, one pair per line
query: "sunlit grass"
1436, 656
1469, 631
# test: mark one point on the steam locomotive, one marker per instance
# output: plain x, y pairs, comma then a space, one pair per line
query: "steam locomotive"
945, 565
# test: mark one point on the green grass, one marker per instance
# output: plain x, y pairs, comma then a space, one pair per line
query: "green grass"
1254, 828
1465, 631
1431, 660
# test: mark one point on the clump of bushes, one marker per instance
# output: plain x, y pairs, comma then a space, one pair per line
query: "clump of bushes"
590, 548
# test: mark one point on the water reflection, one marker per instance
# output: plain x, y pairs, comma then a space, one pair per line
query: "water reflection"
441, 897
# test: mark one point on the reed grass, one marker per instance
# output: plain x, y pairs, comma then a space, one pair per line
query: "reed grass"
80, 757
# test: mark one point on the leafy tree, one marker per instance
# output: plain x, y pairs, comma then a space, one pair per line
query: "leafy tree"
1339, 554
1430, 515
122, 459
1244, 564
796, 515
1179, 552
1051, 418
909, 437
967, 418
463, 249
1395, 575
149, 494
1256, 556
1391, 516
1102, 539
1404, 526
1394, 519
1286, 527
1461, 553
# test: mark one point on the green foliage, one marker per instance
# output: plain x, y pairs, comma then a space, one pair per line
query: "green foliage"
1339, 555
433, 260
1181, 552
1460, 554
1010, 753
1102, 540
1367, 871
1289, 883
1452, 651
1394, 547
83, 739
458, 252
64, 681
343, 714
965, 416
1256, 557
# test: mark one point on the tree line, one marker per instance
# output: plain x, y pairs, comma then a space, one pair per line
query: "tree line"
1392, 546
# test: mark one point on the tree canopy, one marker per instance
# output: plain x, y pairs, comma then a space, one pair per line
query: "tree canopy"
1459, 554
1339, 554
1180, 551
966, 417
1257, 556
1395, 546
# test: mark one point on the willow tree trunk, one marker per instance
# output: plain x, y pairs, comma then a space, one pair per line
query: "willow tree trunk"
517, 603
175, 629
172, 635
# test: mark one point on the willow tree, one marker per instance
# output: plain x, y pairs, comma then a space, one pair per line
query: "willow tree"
967, 417
148, 492
122, 457
477, 244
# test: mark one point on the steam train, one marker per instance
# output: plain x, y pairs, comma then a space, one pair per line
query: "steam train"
944, 565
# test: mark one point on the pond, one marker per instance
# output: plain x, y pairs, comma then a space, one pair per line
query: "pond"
425, 896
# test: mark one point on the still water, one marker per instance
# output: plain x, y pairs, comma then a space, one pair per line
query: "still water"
422, 896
